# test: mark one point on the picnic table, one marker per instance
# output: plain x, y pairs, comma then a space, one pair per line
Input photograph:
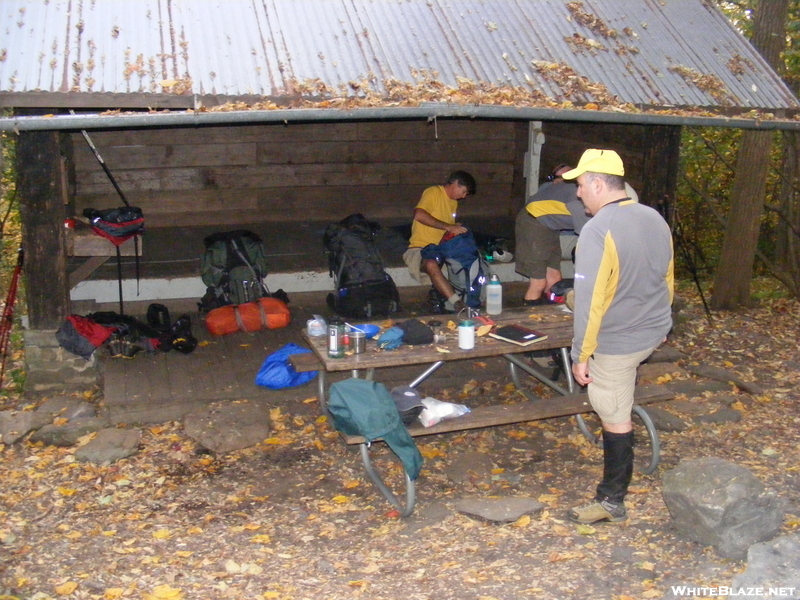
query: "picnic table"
553, 320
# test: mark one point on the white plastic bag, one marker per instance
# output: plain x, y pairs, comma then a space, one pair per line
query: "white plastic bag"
436, 410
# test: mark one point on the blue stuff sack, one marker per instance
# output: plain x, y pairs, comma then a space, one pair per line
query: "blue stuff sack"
391, 338
277, 373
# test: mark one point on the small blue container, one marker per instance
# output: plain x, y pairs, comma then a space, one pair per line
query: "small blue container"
370, 331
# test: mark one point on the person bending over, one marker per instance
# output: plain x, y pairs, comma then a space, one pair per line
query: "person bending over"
554, 208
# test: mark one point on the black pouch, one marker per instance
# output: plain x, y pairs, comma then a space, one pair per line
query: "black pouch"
416, 332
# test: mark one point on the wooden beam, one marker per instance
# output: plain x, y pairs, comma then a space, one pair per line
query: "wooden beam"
42, 210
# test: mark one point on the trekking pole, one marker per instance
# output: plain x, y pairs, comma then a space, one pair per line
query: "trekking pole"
7, 322
690, 264
103, 164
125, 201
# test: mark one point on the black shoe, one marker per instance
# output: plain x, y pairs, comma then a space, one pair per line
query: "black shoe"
542, 301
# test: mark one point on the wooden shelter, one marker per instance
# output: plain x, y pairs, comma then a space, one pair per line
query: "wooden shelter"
285, 116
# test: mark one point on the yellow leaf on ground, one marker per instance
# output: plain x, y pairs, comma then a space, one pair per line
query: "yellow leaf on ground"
352, 484
654, 593
340, 499
647, 565
66, 588
203, 344
67, 491
547, 498
310, 400
585, 529
261, 538
498, 471
271, 595
442, 350
113, 593
162, 534
167, 592
738, 406
431, 452
523, 521
357, 583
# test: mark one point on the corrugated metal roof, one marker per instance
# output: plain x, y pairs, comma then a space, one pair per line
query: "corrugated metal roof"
663, 52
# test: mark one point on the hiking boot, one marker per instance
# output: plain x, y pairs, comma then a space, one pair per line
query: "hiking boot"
599, 510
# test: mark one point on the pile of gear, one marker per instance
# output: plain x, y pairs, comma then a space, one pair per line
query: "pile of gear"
126, 336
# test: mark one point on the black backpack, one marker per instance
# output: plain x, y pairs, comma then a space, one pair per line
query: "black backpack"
363, 287
233, 267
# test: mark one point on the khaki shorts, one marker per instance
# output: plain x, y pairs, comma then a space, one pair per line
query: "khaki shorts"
413, 259
613, 381
537, 247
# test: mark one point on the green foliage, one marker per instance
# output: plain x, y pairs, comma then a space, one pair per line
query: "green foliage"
10, 240
741, 14
708, 162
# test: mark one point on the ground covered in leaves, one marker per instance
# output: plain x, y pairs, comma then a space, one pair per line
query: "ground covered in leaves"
294, 518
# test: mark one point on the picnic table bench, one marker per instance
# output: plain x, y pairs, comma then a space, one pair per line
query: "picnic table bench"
551, 320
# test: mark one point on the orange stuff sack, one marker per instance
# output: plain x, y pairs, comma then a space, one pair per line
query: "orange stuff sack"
268, 313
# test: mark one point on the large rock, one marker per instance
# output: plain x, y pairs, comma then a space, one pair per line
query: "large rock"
230, 426
69, 433
774, 564
67, 407
110, 445
16, 424
502, 510
718, 503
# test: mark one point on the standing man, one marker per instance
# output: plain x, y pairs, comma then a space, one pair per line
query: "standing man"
434, 216
554, 208
623, 298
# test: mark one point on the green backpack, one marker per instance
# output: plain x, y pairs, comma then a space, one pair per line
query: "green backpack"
233, 268
366, 408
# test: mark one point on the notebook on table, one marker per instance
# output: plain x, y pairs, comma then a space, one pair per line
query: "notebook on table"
518, 334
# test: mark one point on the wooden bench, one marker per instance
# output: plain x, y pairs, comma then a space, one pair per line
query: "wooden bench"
82, 241
507, 414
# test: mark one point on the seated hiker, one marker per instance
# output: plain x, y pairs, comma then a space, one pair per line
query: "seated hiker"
434, 216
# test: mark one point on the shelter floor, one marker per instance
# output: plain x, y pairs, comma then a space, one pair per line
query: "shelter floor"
159, 387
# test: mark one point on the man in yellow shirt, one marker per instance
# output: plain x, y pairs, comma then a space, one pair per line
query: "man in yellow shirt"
434, 216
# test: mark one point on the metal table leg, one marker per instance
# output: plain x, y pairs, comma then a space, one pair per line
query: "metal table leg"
411, 492
516, 362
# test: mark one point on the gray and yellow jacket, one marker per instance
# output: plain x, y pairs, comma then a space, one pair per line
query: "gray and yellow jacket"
556, 206
623, 281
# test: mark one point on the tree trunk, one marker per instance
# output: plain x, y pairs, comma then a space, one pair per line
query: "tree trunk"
735, 270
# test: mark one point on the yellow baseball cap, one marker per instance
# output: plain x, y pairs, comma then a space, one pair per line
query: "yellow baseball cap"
597, 161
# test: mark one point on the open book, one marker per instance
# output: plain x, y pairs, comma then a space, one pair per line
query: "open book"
517, 334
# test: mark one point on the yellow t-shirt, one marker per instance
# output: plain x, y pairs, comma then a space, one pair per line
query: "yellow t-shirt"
439, 205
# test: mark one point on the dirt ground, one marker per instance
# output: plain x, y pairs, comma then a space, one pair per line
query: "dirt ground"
294, 518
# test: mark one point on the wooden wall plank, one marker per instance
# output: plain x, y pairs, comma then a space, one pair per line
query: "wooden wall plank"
324, 171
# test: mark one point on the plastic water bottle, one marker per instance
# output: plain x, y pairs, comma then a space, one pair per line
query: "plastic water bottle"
494, 296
